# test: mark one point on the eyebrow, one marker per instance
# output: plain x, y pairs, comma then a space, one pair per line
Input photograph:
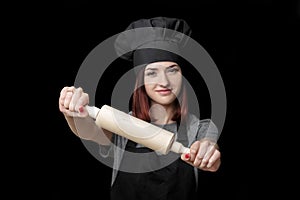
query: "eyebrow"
154, 68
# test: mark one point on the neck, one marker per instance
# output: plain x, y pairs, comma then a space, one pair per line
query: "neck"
161, 114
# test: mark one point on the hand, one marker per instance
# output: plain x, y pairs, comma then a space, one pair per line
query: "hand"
204, 155
72, 102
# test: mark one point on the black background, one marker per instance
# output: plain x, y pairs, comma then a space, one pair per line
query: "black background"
253, 43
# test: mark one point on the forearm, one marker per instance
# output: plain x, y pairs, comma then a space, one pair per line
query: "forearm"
86, 128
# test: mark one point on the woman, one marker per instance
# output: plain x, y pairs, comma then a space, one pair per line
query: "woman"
159, 98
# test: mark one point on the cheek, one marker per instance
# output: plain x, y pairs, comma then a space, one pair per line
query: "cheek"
148, 88
176, 85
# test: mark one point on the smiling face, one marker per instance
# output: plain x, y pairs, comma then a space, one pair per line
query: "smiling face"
163, 82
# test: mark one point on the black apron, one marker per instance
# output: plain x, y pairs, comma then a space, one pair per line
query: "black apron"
176, 181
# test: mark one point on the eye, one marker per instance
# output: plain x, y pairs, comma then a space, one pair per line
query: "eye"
173, 70
150, 73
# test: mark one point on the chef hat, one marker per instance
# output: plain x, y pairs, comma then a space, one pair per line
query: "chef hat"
151, 40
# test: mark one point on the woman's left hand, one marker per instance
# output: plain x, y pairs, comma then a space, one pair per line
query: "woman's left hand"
204, 155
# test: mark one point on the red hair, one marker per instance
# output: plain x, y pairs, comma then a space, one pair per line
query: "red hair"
141, 101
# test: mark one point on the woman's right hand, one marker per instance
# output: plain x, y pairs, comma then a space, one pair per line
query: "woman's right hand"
72, 102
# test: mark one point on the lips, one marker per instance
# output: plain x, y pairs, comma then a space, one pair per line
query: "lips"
164, 92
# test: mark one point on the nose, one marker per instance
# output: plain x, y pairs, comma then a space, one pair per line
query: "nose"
163, 80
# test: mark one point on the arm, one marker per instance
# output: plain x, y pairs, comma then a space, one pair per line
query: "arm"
72, 102
204, 152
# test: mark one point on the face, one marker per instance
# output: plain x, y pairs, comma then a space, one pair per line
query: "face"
163, 82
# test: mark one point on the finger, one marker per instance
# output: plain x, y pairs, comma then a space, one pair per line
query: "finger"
67, 89
207, 156
68, 99
186, 157
72, 113
62, 96
193, 150
64, 92
200, 154
71, 89
81, 103
76, 95
213, 159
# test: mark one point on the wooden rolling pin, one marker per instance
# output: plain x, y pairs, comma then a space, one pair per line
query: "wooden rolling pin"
135, 129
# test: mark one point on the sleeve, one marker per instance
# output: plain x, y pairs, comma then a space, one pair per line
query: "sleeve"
107, 150
207, 130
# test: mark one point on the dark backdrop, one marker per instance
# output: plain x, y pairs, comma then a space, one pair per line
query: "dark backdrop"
253, 45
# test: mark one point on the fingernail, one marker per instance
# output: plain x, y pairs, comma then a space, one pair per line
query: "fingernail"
187, 156
81, 109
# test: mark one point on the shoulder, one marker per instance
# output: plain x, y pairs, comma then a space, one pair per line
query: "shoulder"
204, 128
194, 121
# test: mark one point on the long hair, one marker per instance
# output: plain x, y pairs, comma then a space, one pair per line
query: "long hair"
141, 101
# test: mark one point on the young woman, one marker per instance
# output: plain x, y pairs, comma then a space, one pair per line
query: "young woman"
159, 98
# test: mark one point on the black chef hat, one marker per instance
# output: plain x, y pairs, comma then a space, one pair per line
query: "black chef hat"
155, 39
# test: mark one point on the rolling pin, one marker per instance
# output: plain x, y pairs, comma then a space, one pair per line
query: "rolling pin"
135, 129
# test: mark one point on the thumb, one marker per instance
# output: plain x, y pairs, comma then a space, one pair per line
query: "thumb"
185, 156
82, 111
